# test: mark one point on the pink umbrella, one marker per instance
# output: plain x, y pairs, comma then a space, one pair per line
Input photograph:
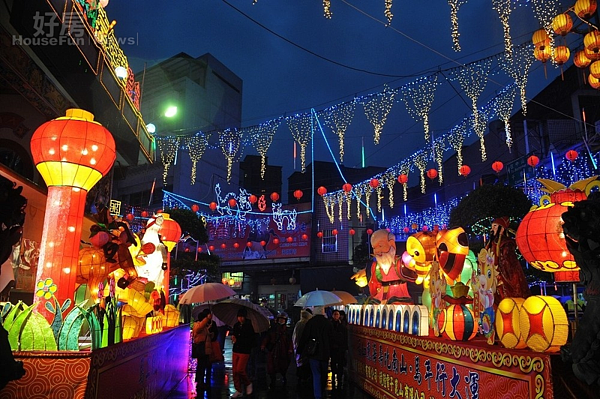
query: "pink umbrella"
205, 293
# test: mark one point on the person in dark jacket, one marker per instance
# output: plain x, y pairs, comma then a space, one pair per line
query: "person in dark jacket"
278, 345
202, 330
243, 338
339, 346
318, 328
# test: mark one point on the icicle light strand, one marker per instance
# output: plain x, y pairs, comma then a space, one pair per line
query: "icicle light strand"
168, 150
377, 107
196, 146
338, 118
229, 141
418, 97
454, 6
300, 126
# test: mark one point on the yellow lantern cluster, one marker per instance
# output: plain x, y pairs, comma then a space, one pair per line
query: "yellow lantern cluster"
154, 324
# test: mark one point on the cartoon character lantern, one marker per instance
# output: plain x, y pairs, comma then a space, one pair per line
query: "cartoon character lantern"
540, 236
452, 250
420, 252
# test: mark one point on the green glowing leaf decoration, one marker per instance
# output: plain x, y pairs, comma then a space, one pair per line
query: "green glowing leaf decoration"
95, 330
37, 334
5, 309
118, 329
12, 315
68, 338
14, 333
104, 343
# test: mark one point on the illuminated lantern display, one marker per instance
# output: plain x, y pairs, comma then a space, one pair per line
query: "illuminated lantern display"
571, 155
497, 166
403, 179
252, 199
223, 246
334, 232
507, 323
540, 39
369, 231
212, 247
195, 208
154, 324
542, 54
581, 60
144, 214
561, 54
544, 324
432, 173
171, 317
351, 232
321, 191
591, 41
232, 203
594, 82
347, 187
562, 24
249, 244
71, 153
585, 8
213, 206
290, 239
320, 234
540, 236
304, 237
458, 323
595, 69
276, 241
406, 229
298, 194
199, 249
591, 55
236, 245
420, 250
170, 233
274, 197
138, 305
452, 250
374, 183
533, 161
465, 170
263, 243
130, 327
92, 270
130, 217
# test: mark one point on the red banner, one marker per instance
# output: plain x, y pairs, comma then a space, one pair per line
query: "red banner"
387, 364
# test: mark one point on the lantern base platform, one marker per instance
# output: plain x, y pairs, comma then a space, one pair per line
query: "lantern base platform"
150, 366
385, 363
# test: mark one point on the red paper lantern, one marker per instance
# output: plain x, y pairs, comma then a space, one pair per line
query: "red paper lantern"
320, 234
130, 216
406, 229
403, 179
144, 214
274, 197
581, 60
540, 236
249, 244
199, 249
304, 237
236, 245
432, 173
374, 183
465, 170
321, 191
290, 239
497, 166
334, 232
195, 208
425, 228
263, 243
571, 155
223, 245
458, 323
211, 248
232, 202
533, 161
585, 8
252, 198
369, 231
562, 24
298, 194
213, 206
347, 187
276, 241
352, 232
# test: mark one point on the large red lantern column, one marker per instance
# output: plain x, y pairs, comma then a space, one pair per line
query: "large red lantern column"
170, 233
72, 153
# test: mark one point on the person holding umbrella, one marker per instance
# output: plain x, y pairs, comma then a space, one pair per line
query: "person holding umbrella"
318, 331
339, 346
243, 338
278, 345
302, 366
203, 331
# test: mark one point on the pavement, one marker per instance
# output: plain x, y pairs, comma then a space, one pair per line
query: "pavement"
222, 383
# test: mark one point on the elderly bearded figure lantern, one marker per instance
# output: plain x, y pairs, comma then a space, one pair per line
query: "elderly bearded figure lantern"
388, 276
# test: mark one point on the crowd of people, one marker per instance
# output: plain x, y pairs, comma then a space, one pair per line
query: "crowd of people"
316, 343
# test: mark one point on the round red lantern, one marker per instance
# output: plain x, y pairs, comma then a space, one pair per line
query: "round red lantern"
320, 234
497, 166
533, 161
369, 231
211, 248
571, 155
144, 214
351, 232
274, 197
263, 243
236, 245
249, 244
540, 236
276, 241
374, 183
334, 232
252, 199
458, 323
232, 202
290, 239
195, 208
199, 249
402, 179
223, 246
347, 187
321, 191
304, 237
130, 216
464, 170
298, 194
213, 206
406, 229
432, 173
425, 228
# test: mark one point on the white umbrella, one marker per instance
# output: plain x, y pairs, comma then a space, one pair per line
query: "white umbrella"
227, 311
318, 298
206, 292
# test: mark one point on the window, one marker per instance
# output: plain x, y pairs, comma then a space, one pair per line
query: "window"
329, 243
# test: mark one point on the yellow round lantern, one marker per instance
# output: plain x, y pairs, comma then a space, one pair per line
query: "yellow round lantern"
540, 39
171, 316
561, 54
581, 60
544, 324
591, 55
542, 54
591, 41
562, 24
507, 323
595, 69
585, 8
92, 269
594, 82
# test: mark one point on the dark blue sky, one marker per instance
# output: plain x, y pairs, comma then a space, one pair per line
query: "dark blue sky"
282, 79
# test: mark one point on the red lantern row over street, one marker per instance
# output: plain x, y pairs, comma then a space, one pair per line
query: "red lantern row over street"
298, 194
252, 199
572, 155
347, 187
402, 179
195, 208
374, 183
232, 203
321, 191
369, 231
533, 161
351, 232
465, 170
274, 196
213, 206
320, 234
432, 173
304, 237
334, 232
497, 166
